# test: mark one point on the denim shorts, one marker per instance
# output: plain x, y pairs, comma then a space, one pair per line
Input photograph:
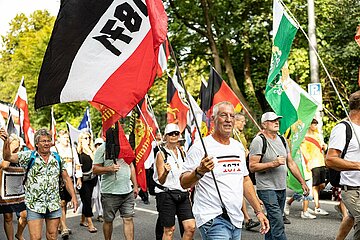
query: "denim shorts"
112, 203
31, 215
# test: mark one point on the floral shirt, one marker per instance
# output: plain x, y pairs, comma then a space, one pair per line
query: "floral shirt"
42, 184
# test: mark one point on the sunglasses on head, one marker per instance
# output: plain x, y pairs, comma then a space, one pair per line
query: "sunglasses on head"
174, 134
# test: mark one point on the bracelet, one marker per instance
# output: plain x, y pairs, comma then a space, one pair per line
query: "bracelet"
257, 212
197, 174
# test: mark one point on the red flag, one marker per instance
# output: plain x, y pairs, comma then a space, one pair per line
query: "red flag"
217, 91
53, 127
177, 108
357, 36
108, 116
145, 128
22, 103
106, 52
126, 152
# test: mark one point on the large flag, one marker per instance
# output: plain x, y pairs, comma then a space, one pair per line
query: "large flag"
22, 103
177, 108
85, 124
145, 130
102, 51
286, 97
216, 91
53, 127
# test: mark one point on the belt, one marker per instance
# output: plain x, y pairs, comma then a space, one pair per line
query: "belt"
345, 187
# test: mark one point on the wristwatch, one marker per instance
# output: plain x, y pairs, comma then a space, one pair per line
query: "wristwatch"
197, 174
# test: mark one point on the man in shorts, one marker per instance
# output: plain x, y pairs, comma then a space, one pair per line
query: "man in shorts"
117, 193
42, 196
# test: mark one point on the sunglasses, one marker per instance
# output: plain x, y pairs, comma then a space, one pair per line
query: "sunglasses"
172, 134
86, 138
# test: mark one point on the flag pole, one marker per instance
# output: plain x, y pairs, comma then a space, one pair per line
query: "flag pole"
323, 65
197, 125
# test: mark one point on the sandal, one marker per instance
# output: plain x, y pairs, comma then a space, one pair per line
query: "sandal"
84, 224
93, 230
17, 237
65, 233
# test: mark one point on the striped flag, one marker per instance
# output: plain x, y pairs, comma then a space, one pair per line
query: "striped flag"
85, 124
163, 57
22, 103
102, 51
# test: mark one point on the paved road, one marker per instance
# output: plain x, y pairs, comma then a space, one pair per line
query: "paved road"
322, 228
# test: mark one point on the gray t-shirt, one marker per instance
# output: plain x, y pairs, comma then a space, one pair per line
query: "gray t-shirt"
274, 178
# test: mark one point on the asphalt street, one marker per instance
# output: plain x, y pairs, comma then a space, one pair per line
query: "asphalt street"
321, 228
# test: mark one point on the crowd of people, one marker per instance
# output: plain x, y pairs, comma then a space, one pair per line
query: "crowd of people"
212, 186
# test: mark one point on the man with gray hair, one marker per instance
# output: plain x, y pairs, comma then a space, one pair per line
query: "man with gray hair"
44, 171
220, 218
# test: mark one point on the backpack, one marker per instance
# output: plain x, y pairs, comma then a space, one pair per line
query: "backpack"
334, 175
32, 161
263, 151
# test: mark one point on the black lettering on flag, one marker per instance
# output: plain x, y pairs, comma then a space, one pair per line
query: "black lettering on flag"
131, 20
141, 6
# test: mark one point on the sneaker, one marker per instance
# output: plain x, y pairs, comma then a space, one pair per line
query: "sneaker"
65, 234
307, 215
320, 211
286, 220
100, 219
251, 224
287, 209
310, 211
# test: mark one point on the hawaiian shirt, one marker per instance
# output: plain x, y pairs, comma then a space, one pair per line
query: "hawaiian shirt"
42, 183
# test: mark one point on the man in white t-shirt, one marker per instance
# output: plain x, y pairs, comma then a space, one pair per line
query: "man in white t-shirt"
350, 164
225, 159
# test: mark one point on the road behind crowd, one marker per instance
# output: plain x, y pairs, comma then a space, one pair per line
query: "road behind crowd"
322, 228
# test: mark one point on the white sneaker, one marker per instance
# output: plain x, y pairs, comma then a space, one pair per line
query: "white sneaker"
287, 209
310, 211
307, 215
320, 211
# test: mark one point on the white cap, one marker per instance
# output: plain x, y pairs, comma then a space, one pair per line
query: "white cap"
269, 116
171, 127
99, 141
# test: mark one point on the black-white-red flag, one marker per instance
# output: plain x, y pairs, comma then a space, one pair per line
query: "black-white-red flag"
102, 51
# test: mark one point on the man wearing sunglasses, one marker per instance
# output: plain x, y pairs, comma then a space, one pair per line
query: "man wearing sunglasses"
220, 218
42, 190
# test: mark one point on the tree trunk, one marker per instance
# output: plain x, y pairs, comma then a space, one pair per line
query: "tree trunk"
249, 87
212, 43
232, 79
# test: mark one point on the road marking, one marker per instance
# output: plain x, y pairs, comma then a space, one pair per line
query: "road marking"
146, 210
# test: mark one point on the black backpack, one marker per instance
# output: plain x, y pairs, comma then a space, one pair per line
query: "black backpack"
263, 151
334, 175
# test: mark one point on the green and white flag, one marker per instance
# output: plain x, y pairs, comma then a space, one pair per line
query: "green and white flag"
285, 96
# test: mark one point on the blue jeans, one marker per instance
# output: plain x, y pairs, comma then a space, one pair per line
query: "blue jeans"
274, 201
219, 229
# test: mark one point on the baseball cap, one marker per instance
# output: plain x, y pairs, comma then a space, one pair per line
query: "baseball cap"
99, 141
269, 116
171, 127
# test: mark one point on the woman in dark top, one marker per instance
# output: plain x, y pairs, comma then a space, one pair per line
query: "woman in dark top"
86, 156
